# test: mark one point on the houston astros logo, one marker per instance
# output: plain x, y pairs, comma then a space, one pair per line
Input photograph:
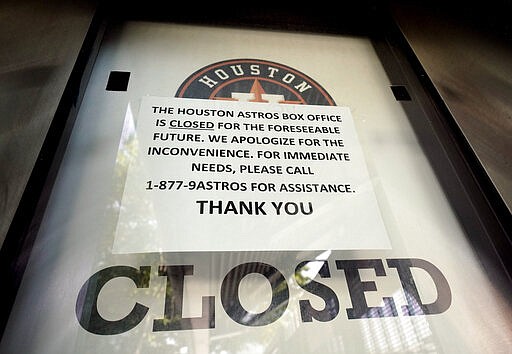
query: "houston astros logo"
254, 80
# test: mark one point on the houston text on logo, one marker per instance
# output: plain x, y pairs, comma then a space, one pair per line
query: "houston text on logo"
254, 80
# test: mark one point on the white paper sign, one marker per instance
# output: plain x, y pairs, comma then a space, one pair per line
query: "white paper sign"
208, 175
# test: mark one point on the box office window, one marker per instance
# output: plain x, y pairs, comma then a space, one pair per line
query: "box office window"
230, 189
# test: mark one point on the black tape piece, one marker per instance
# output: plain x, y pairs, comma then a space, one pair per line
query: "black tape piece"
401, 93
118, 81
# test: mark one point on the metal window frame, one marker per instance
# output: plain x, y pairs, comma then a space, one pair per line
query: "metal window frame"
472, 194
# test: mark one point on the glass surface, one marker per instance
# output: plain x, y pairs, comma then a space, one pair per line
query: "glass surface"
424, 290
